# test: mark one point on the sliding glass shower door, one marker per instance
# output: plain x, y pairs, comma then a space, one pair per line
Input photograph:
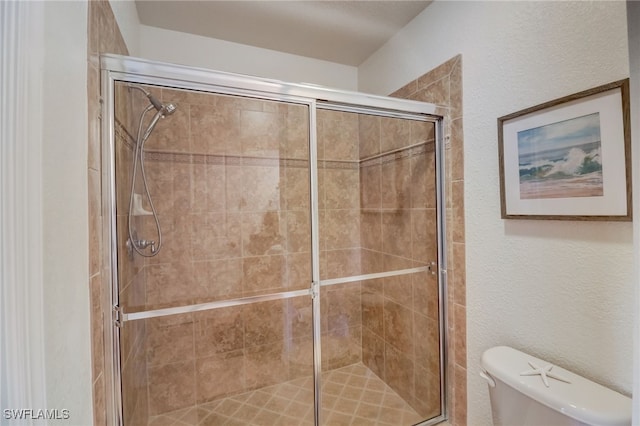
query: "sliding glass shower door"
217, 322
275, 255
380, 345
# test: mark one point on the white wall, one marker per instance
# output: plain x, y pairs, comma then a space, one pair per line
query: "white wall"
128, 21
65, 205
560, 290
187, 49
633, 16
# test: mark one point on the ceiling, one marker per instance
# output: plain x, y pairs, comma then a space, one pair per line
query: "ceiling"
345, 32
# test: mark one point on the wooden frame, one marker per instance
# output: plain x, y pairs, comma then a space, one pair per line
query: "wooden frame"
568, 159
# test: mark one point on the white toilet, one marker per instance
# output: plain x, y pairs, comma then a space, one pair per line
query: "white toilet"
520, 396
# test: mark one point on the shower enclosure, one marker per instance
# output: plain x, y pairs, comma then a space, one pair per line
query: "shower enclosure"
277, 257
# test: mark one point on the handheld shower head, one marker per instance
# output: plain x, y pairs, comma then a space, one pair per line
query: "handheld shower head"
169, 109
164, 110
155, 102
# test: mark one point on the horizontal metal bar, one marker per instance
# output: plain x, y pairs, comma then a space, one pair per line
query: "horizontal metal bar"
377, 275
395, 151
192, 76
380, 111
212, 305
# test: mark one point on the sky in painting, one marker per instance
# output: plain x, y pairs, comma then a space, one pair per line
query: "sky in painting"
563, 134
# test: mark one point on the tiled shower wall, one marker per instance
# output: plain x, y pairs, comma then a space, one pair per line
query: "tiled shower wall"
103, 37
400, 314
443, 87
229, 180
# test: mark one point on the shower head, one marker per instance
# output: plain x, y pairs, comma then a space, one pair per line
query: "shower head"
164, 110
168, 109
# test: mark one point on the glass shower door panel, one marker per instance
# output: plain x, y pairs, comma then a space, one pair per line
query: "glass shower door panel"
380, 332
250, 364
228, 177
229, 180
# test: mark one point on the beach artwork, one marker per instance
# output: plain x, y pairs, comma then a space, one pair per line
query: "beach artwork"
561, 160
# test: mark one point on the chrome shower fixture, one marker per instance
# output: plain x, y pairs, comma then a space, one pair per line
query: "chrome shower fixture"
135, 200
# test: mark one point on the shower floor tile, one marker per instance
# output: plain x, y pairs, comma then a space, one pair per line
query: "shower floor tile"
351, 395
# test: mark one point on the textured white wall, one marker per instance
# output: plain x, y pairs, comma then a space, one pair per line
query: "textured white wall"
633, 16
65, 205
560, 290
128, 21
187, 49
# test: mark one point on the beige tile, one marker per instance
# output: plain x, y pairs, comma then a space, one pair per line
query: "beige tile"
264, 273
396, 233
457, 150
406, 90
399, 289
95, 222
373, 352
459, 278
371, 186
218, 331
436, 74
460, 336
341, 229
171, 134
422, 131
342, 189
424, 235
296, 131
169, 284
396, 179
341, 346
264, 323
266, 365
298, 270
423, 180
398, 374
425, 294
341, 263
458, 211
344, 305
260, 188
211, 129
219, 375
435, 93
298, 231
94, 114
373, 306
338, 136
218, 279
296, 193
427, 349
97, 337
398, 327
264, 233
394, 133
170, 339
456, 88
260, 133
369, 135
171, 387
99, 402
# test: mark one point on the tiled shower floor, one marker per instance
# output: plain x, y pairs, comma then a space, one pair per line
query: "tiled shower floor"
351, 395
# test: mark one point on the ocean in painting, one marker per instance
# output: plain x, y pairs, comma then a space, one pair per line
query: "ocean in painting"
561, 160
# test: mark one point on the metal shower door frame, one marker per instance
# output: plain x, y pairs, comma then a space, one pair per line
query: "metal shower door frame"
127, 69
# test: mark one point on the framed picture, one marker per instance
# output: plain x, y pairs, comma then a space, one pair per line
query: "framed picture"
568, 159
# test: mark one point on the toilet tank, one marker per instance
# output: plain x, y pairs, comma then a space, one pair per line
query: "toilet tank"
525, 400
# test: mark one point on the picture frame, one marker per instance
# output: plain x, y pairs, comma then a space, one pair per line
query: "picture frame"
568, 159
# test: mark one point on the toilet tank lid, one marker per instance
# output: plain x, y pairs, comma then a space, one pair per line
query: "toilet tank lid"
582, 399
